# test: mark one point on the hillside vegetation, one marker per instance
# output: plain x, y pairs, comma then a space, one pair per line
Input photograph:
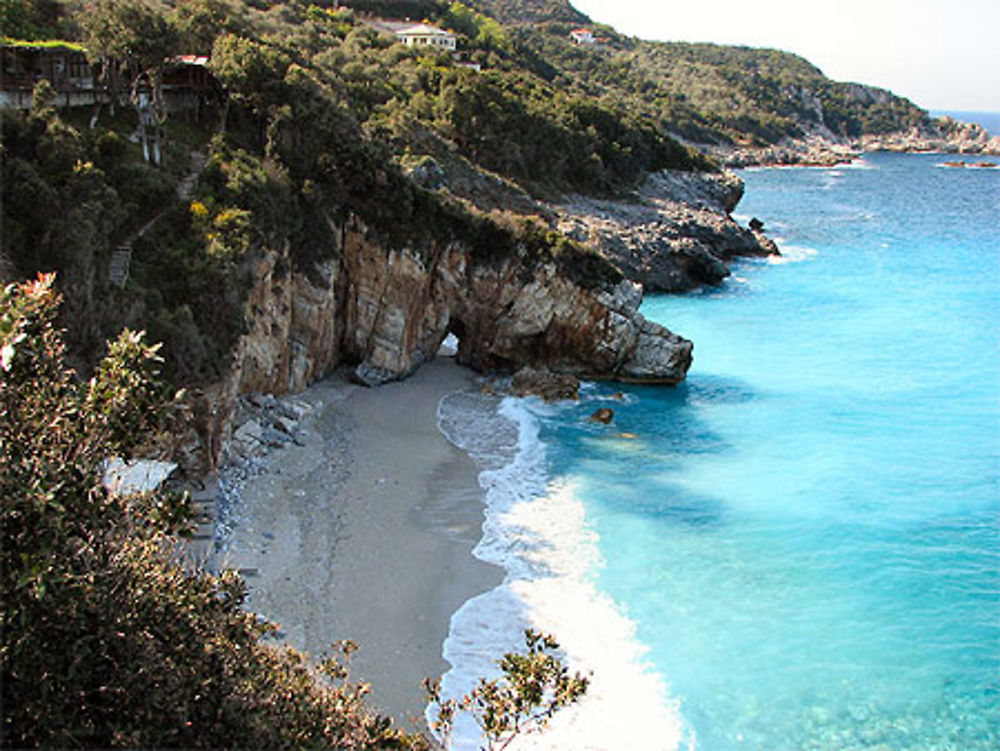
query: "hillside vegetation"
106, 642
326, 115
704, 93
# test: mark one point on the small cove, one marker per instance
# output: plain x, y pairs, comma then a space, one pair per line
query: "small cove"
804, 536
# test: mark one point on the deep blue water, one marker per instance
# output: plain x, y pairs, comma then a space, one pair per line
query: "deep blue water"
807, 533
799, 547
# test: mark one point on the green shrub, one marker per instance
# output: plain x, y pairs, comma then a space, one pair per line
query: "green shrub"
532, 687
144, 189
106, 641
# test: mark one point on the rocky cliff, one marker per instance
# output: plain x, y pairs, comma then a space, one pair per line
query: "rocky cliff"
944, 134
384, 310
676, 234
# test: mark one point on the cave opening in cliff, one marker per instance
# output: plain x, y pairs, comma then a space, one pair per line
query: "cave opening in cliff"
452, 341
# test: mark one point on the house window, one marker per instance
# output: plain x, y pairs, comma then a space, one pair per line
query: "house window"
79, 69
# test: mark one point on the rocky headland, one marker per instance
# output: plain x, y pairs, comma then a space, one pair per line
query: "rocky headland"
676, 234
821, 147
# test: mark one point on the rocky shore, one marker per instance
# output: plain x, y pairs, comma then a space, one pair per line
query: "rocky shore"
675, 235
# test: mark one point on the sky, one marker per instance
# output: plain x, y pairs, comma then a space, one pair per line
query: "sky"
941, 54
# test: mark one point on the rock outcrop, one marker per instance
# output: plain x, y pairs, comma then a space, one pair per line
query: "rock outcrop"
552, 387
399, 305
676, 235
945, 134
821, 148
384, 310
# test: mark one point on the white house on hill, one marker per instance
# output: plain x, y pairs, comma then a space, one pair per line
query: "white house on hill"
425, 35
583, 36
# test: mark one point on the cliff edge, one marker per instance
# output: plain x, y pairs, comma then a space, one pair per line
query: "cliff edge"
384, 310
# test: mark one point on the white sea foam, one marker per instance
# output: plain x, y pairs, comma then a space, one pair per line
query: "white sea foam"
791, 254
538, 532
858, 163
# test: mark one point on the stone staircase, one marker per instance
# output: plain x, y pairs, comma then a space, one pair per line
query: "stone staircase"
198, 550
121, 258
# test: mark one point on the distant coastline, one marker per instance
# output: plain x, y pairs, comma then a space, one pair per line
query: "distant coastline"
951, 132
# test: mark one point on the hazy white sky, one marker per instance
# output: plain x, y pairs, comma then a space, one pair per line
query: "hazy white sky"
942, 54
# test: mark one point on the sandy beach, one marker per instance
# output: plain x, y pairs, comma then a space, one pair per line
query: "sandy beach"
364, 531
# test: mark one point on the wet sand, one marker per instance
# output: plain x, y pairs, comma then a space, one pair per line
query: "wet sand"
365, 532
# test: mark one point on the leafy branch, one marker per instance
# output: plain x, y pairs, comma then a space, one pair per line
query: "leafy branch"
532, 687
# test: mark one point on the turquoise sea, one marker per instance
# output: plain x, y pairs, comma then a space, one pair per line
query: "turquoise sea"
798, 548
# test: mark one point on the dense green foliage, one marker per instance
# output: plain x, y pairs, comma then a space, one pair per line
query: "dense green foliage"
318, 104
711, 93
322, 111
504, 118
106, 642
30, 19
532, 11
72, 194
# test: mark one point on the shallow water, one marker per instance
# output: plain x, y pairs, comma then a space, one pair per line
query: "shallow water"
799, 548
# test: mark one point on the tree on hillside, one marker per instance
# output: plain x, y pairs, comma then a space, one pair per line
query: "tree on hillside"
133, 40
30, 19
199, 22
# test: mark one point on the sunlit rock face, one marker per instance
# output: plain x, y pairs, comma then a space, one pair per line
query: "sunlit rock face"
384, 311
398, 306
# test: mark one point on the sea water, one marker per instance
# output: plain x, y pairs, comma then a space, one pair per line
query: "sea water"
799, 547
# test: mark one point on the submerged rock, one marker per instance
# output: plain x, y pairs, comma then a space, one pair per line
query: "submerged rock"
603, 415
552, 387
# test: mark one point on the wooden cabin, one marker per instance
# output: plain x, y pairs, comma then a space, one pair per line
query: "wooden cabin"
188, 84
65, 66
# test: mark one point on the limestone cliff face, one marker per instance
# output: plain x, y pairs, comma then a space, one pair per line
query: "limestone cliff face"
385, 310
398, 305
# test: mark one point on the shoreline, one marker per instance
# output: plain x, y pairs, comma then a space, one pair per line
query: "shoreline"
824, 152
364, 528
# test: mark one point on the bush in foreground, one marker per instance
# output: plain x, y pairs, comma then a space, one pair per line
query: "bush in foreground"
106, 641
532, 686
